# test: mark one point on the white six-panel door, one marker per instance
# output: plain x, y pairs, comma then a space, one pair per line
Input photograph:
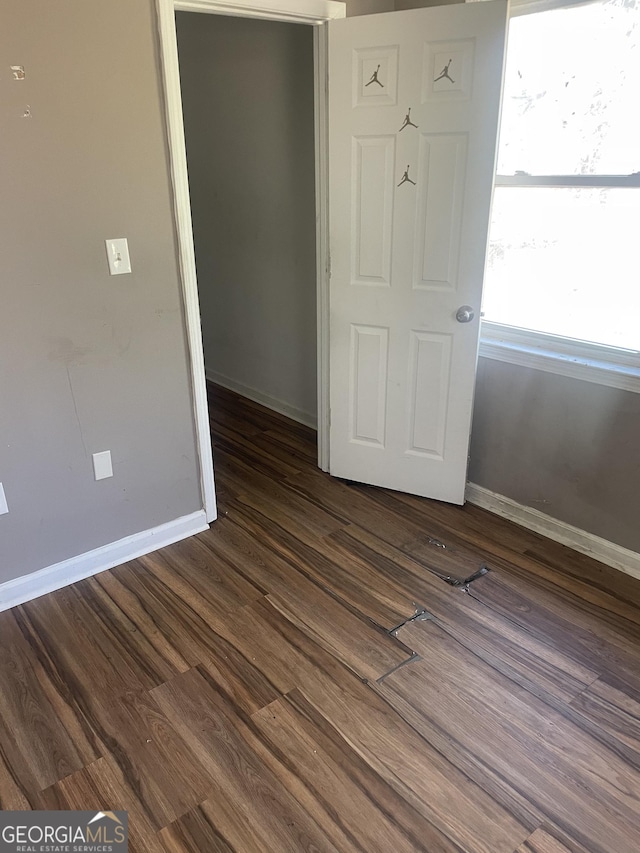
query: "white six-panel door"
414, 102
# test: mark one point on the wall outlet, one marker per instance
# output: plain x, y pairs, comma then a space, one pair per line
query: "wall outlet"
3, 501
102, 467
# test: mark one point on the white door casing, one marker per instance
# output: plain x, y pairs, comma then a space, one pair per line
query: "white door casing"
414, 101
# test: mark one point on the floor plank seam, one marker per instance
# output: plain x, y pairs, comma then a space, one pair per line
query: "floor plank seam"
415, 657
585, 689
481, 767
436, 543
530, 820
464, 584
295, 563
421, 615
565, 709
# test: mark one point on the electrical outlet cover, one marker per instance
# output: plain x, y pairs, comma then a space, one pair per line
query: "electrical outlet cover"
3, 501
102, 467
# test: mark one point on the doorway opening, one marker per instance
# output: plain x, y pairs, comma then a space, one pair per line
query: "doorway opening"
248, 110
312, 13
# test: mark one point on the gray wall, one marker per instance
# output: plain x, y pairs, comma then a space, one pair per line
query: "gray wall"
248, 109
419, 4
368, 7
89, 362
568, 448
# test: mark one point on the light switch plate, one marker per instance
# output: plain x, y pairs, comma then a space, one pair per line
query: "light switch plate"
118, 255
3, 501
102, 467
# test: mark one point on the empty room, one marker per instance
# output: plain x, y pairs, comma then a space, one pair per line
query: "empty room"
320, 426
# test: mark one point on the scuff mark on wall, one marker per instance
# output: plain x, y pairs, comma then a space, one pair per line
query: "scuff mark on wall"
65, 350
75, 408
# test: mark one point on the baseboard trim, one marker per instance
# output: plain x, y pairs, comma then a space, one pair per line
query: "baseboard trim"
28, 587
267, 400
580, 540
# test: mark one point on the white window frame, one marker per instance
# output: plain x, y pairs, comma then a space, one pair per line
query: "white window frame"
563, 356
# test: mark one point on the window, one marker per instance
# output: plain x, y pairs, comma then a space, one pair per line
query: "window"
564, 249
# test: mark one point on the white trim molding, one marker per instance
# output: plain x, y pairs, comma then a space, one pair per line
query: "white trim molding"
530, 7
603, 365
629, 181
295, 11
273, 403
85, 565
186, 252
580, 540
321, 77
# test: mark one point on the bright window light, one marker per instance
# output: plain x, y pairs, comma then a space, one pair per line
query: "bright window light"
564, 253
566, 261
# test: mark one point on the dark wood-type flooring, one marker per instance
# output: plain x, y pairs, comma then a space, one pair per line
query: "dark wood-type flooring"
267, 685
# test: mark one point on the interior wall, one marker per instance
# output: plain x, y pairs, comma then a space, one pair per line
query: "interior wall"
419, 4
368, 7
90, 362
568, 448
248, 101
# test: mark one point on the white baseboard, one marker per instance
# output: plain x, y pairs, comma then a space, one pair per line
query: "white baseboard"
267, 400
580, 540
38, 583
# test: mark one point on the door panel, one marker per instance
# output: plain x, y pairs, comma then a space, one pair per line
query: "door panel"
413, 115
372, 194
442, 163
431, 368
369, 348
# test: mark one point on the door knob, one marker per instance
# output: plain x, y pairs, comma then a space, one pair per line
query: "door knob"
465, 314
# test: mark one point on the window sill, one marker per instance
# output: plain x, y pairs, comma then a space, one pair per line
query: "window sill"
616, 368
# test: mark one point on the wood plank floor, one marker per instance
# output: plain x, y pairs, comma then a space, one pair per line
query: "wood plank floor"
312, 674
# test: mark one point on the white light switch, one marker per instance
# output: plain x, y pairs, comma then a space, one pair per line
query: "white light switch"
118, 255
102, 467
3, 501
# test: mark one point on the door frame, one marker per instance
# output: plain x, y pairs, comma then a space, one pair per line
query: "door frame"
311, 12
